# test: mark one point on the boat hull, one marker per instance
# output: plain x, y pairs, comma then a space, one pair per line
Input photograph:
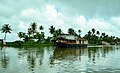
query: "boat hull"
65, 45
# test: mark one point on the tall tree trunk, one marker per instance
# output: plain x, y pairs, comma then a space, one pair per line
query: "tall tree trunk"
5, 36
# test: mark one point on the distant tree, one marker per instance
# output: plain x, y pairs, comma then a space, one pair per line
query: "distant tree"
55, 34
38, 36
6, 28
20, 35
48, 39
93, 36
79, 31
41, 27
93, 31
103, 36
97, 39
89, 37
26, 38
29, 31
52, 29
89, 33
113, 37
71, 31
24, 35
42, 36
94, 39
59, 31
98, 33
117, 40
34, 27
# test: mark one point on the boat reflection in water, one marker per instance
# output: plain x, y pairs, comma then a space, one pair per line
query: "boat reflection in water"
91, 54
68, 54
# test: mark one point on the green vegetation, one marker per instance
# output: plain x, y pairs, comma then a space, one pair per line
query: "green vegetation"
6, 29
35, 37
29, 44
94, 37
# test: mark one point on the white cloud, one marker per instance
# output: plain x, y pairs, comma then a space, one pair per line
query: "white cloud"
104, 8
108, 26
99, 24
115, 20
81, 20
29, 12
52, 15
23, 26
48, 15
59, 15
45, 16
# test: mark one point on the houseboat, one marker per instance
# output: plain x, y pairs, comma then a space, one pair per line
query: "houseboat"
69, 41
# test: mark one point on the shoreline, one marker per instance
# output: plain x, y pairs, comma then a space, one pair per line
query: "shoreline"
38, 44
27, 44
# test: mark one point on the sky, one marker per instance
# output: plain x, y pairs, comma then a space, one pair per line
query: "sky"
103, 15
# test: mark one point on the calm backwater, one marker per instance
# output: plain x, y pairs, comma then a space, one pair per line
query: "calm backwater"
60, 60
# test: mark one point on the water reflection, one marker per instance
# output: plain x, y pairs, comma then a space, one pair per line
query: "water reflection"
75, 54
34, 57
68, 54
4, 59
54, 60
31, 61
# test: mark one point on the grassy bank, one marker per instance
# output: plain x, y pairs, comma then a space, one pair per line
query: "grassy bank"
28, 44
92, 45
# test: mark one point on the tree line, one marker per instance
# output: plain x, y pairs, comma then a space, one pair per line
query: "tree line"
93, 36
33, 34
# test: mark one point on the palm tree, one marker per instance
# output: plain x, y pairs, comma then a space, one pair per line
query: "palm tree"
98, 33
41, 27
24, 34
103, 34
89, 33
79, 31
29, 31
93, 31
26, 38
38, 36
52, 29
59, 31
97, 39
71, 31
6, 29
33, 27
20, 35
42, 36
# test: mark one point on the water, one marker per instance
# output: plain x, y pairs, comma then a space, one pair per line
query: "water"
58, 60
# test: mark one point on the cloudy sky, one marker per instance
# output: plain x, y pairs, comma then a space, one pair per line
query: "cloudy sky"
103, 15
